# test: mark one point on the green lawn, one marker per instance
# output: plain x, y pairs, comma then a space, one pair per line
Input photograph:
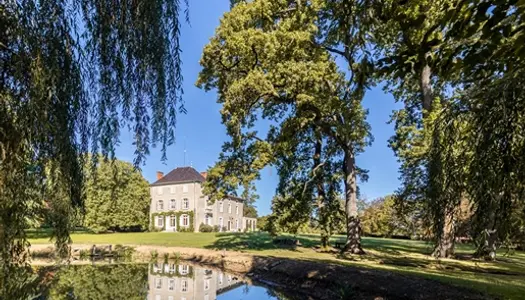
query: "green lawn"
504, 278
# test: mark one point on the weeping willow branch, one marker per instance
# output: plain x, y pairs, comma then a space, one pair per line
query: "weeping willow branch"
74, 73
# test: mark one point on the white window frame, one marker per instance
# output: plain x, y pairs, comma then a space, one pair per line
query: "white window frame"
221, 223
173, 189
171, 298
207, 219
171, 284
206, 284
236, 209
173, 221
229, 207
160, 205
184, 285
221, 206
158, 283
184, 269
173, 204
185, 203
237, 224
160, 221
220, 278
159, 190
184, 188
185, 219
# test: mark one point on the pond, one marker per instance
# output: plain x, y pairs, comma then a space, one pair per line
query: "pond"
154, 281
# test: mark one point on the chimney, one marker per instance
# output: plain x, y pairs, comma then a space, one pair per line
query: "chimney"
204, 174
159, 175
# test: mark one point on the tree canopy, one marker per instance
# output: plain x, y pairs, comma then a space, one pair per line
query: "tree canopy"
264, 62
117, 197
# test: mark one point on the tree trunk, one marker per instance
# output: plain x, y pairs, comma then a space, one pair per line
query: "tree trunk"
446, 241
353, 225
321, 196
488, 246
426, 89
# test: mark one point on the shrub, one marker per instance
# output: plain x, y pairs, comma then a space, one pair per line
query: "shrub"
205, 228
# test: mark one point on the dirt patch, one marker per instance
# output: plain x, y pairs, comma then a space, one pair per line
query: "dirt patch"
316, 280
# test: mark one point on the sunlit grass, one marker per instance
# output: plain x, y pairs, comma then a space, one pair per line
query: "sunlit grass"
504, 278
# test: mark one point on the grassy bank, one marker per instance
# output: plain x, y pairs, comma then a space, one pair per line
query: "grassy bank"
504, 278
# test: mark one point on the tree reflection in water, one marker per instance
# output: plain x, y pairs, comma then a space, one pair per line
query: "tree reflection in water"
156, 281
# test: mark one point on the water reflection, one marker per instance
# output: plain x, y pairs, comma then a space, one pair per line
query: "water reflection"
155, 281
170, 281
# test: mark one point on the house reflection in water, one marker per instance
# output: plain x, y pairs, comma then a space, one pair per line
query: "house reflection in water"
169, 281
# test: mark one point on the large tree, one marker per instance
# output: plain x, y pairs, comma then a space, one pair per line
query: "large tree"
265, 62
72, 73
117, 197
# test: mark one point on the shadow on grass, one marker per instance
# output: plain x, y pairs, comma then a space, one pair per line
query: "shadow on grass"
43, 233
256, 241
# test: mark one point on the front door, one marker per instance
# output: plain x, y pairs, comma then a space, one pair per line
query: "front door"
171, 223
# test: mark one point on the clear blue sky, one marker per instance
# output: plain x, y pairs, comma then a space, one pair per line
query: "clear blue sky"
202, 132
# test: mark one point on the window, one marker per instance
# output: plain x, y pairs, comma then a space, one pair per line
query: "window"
184, 286
173, 268
171, 285
173, 221
237, 225
160, 221
206, 284
160, 205
185, 220
221, 224
220, 278
221, 207
185, 188
172, 189
184, 269
159, 190
236, 209
156, 267
229, 278
207, 219
157, 297
173, 204
185, 203
206, 297
158, 283
229, 208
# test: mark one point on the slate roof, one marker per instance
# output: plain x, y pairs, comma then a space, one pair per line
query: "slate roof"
180, 175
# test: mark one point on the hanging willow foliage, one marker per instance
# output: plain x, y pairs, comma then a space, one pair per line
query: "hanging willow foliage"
71, 74
480, 154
